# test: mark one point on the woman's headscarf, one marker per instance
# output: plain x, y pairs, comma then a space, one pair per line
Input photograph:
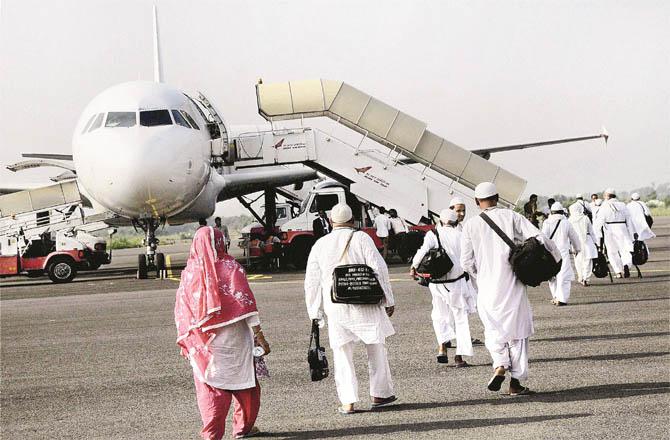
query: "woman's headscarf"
213, 292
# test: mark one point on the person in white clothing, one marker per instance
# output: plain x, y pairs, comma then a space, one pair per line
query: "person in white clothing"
350, 323
458, 205
638, 213
579, 200
502, 301
382, 225
595, 207
453, 297
587, 242
564, 236
615, 222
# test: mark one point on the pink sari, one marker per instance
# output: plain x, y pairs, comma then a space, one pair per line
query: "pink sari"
213, 292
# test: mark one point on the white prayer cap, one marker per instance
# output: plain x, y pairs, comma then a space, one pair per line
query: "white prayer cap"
448, 215
341, 213
456, 201
609, 191
485, 190
579, 196
635, 196
556, 207
599, 202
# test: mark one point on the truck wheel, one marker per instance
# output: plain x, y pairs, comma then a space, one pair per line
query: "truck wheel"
160, 264
409, 245
298, 251
61, 270
142, 267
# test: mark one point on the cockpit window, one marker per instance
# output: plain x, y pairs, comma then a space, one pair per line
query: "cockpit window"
151, 118
97, 123
88, 124
120, 119
179, 119
190, 119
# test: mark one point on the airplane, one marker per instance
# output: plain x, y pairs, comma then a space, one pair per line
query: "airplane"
151, 153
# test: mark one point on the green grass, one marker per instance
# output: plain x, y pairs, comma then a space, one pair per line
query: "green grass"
660, 211
136, 241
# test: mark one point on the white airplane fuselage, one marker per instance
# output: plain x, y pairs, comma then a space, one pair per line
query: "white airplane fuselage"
141, 149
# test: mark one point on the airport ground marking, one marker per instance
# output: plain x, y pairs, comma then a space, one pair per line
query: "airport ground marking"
168, 266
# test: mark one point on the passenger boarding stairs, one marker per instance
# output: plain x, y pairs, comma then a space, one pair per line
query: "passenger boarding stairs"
394, 161
33, 212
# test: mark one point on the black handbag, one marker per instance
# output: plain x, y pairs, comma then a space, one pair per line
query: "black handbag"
355, 283
436, 263
531, 262
640, 252
316, 355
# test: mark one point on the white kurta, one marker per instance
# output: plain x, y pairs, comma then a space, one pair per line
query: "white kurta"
614, 217
501, 298
638, 210
587, 240
382, 225
232, 366
585, 206
347, 322
564, 238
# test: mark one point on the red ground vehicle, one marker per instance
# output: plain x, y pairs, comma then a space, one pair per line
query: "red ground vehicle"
60, 266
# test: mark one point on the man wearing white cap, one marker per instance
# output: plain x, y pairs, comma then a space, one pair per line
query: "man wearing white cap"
586, 206
561, 232
615, 222
453, 295
457, 204
587, 241
501, 299
349, 323
639, 213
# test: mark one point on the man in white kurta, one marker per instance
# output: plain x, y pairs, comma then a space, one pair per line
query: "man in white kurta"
579, 200
453, 297
560, 231
638, 212
350, 323
382, 225
501, 299
587, 242
614, 219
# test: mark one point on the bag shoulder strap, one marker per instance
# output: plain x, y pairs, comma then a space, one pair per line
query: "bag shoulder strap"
555, 229
346, 247
437, 235
315, 334
497, 230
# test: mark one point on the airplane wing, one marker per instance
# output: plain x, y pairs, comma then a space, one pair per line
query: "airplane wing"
244, 182
47, 156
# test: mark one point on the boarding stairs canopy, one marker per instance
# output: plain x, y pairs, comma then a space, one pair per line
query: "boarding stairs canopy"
402, 133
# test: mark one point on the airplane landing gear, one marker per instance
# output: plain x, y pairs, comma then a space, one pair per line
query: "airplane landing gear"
151, 260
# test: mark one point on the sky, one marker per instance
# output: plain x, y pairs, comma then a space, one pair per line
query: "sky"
479, 73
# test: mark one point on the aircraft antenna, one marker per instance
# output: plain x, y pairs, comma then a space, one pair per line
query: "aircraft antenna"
158, 68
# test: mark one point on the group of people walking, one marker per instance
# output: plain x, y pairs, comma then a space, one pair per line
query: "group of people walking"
219, 328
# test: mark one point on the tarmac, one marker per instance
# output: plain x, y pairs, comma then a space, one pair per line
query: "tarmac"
96, 359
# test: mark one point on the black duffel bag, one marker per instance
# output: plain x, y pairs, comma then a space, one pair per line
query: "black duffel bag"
600, 268
355, 283
436, 263
640, 252
316, 355
531, 262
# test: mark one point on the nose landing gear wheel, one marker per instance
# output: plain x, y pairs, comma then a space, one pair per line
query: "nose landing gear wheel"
142, 269
160, 265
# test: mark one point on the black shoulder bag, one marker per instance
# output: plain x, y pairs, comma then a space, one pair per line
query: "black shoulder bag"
355, 283
531, 262
647, 218
316, 355
436, 263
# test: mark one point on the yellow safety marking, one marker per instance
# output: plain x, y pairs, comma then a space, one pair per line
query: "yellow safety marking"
168, 267
259, 277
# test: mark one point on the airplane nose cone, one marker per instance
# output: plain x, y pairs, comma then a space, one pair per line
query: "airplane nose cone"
141, 176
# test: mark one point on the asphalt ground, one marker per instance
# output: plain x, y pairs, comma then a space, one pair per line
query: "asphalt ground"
97, 359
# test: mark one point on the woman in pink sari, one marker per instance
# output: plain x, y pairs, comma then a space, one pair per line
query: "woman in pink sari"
217, 323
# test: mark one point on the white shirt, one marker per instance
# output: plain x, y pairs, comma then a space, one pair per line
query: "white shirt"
565, 235
382, 225
614, 217
638, 210
347, 322
502, 301
398, 225
586, 234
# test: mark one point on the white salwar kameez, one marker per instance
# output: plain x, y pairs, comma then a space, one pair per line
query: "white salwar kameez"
587, 242
638, 210
614, 217
349, 323
232, 366
501, 298
451, 301
563, 238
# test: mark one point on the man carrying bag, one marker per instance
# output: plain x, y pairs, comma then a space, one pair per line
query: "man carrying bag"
349, 323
